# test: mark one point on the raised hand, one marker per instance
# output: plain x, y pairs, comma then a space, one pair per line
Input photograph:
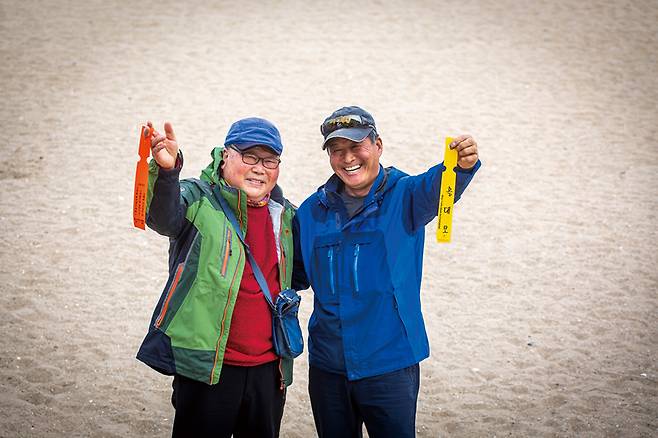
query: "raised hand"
467, 151
164, 147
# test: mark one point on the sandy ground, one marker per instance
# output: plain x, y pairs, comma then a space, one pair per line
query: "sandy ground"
543, 311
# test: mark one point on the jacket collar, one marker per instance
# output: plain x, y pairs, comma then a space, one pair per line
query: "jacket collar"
237, 200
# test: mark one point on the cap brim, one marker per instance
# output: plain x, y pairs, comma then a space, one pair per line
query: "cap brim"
244, 146
354, 134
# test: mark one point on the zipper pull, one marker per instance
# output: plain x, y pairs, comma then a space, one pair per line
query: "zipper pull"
283, 383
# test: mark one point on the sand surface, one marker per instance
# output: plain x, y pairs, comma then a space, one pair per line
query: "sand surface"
543, 311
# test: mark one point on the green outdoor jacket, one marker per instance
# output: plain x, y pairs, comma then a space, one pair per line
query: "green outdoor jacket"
192, 320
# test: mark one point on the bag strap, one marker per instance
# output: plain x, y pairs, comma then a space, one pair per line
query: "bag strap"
220, 203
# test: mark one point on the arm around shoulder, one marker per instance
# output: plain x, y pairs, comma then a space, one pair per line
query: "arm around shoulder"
300, 279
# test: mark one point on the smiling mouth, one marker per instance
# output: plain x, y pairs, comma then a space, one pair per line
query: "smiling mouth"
352, 169
255, 181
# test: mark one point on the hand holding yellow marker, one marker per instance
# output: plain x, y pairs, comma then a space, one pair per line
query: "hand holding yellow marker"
447, 198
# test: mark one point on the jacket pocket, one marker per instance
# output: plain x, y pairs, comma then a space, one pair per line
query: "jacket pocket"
170, 293
332, 277
369, 269
324, 273
180, 283
226, 252
355, 267
396, 304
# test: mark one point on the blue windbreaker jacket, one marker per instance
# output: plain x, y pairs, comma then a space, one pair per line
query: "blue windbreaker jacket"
366, 271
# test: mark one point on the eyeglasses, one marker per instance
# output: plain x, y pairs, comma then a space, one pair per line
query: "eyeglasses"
340, 122
251, 159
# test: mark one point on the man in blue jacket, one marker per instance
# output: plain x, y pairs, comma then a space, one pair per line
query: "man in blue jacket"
359, 244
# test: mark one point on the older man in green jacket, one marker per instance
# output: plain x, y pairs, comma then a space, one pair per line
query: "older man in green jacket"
212, 328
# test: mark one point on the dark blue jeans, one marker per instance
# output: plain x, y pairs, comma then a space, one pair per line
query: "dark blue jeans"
386, 403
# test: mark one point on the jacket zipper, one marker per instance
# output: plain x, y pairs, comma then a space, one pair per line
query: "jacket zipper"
283, 261
222, 327
355, 267
331, 270
283, 251
172, 289
227, 251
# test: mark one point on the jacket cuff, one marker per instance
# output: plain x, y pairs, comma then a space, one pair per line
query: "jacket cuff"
469, 171
174, 171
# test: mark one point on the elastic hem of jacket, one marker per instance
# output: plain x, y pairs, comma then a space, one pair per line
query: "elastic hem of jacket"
371, 372
156, 363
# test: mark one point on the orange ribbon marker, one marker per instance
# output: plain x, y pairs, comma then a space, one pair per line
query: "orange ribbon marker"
142, 178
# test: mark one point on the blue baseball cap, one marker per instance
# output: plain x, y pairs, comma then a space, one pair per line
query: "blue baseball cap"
254, 131
350, 122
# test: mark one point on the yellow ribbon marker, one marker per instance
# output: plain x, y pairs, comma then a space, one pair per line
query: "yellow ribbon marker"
447, 198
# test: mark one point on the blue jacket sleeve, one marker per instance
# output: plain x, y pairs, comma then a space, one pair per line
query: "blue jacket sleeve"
166, 213
299, 278
424, 191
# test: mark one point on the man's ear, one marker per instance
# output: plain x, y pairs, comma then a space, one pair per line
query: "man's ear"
224, 157
380, 145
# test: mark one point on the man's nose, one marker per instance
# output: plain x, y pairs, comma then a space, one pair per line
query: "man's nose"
349, 156
258, 167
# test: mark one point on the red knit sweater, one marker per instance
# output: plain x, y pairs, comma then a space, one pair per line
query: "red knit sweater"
250, 337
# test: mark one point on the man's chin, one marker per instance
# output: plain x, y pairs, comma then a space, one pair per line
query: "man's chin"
352, 182
350, 179
255, 194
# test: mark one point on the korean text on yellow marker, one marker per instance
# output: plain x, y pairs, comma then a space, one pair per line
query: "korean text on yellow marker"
447, 197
